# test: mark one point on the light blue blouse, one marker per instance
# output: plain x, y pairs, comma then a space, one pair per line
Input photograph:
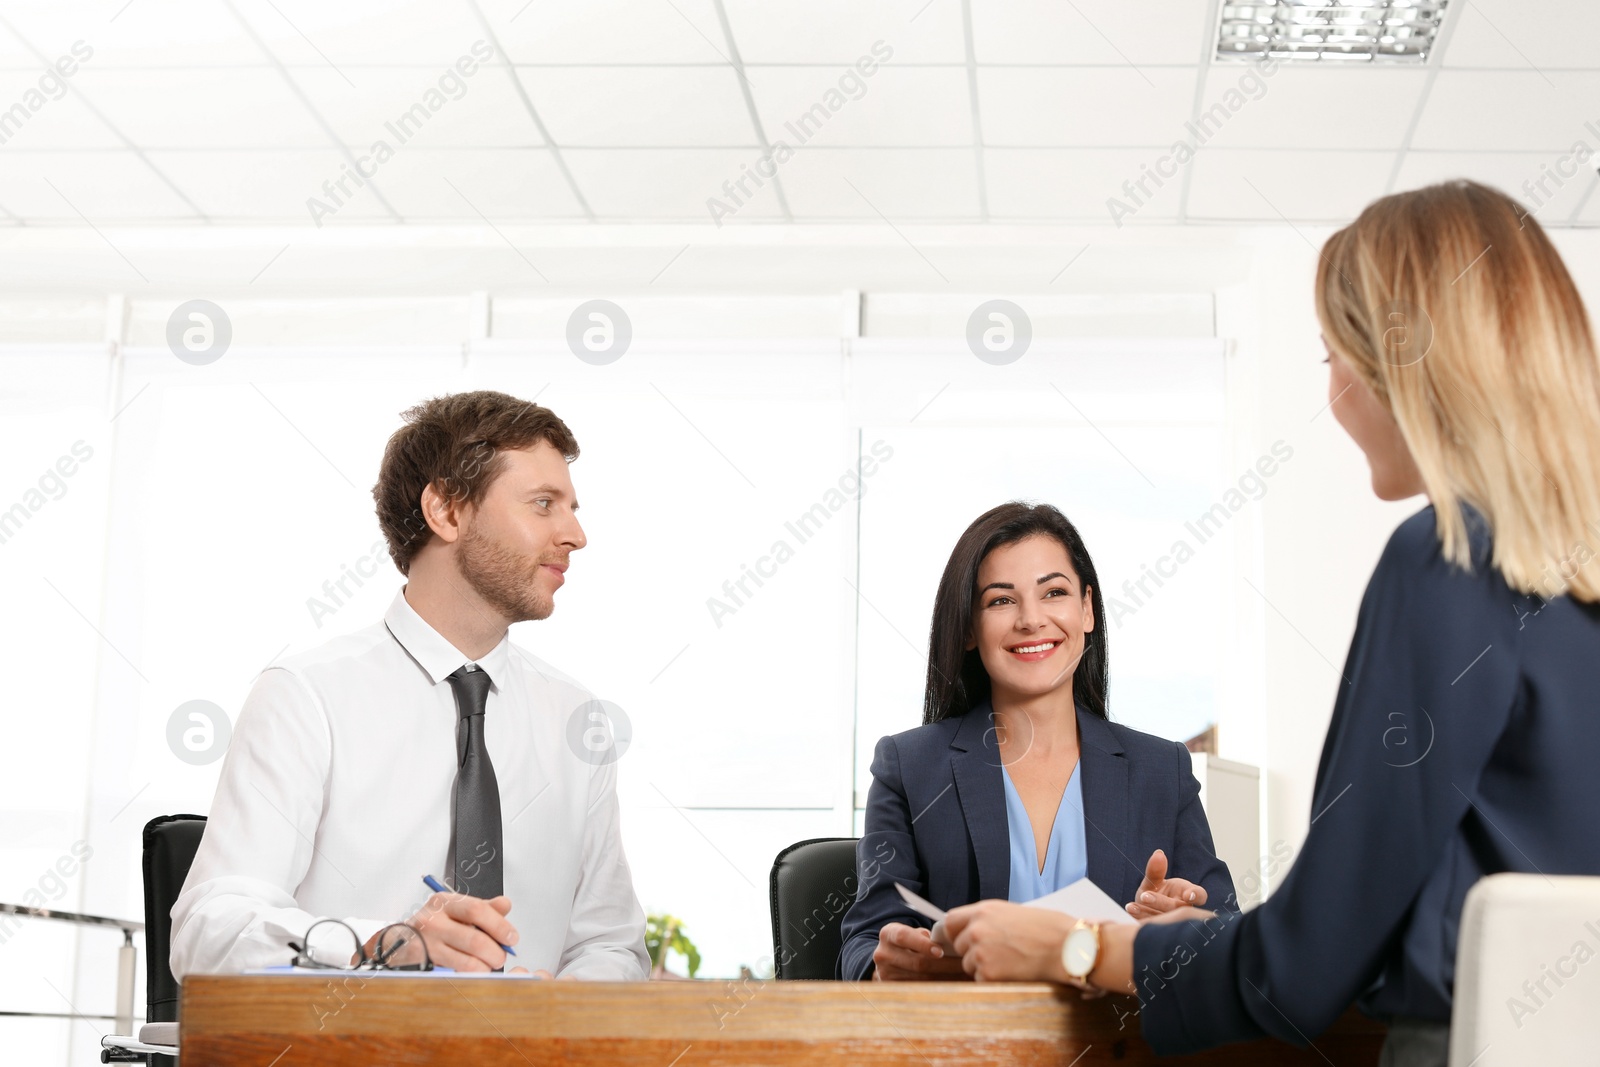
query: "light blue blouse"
1066, 856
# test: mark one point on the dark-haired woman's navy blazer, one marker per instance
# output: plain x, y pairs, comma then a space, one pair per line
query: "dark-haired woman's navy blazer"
936, 822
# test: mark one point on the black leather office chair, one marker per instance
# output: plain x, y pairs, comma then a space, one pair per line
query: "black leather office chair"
813, 883
170, 842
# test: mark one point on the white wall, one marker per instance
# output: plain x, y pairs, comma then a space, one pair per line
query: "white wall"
1318, 532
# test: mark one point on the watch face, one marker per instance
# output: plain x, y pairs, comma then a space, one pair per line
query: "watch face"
1081, 949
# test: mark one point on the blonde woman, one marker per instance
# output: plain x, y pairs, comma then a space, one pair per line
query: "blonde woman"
1461, 362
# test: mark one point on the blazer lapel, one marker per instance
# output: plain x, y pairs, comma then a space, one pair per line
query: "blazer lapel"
1105, 809
975, 766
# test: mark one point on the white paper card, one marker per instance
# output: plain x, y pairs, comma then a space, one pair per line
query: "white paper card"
1084, 900
928, 910
917, 904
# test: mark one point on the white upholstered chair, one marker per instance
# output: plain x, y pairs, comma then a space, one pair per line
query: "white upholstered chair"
1527, 990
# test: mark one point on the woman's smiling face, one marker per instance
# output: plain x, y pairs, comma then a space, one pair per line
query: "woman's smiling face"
1031, 617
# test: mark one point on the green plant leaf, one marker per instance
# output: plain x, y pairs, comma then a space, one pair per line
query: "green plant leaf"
664, 933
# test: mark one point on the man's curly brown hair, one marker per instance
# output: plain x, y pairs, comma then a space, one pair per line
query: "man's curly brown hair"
454, 443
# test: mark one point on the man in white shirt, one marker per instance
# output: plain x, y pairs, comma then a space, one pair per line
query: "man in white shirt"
362, 765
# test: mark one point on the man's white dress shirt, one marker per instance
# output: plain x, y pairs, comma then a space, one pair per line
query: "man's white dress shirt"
335, 800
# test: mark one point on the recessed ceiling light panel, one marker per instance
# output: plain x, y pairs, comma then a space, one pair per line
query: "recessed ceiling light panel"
1398, 31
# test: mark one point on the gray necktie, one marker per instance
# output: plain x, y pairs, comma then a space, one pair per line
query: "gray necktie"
475, 840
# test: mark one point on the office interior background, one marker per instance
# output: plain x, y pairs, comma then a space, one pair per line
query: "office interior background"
835, 277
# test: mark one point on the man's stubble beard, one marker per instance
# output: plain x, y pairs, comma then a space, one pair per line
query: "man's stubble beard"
497, 575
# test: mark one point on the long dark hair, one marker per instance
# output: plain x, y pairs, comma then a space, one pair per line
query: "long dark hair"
957, 681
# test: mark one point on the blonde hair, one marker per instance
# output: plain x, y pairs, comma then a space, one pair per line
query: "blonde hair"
1452, 305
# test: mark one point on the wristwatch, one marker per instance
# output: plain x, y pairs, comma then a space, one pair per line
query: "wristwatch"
1080, 952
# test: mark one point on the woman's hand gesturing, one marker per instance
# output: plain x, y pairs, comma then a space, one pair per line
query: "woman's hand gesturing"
1159, 894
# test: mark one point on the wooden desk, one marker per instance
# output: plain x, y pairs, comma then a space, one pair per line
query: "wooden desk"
310, 1022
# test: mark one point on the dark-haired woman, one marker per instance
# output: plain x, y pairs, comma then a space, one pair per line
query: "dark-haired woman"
1016, 784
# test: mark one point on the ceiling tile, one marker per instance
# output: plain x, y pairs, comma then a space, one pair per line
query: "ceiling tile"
1075, 183
271, 186
173, 33
912, 184
1313, 186
502, 184
1533, 178
169, 33
1099, 107
1508, 110
422, 107
926, 106
14, 54
838, 33
106, 187
345, 35
1523, 34
603, 32
642, 93
40, 112
1102, 32
612, 107
1289, 108
671, 183
202, 108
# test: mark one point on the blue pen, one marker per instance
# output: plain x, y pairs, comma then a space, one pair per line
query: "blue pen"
433, 884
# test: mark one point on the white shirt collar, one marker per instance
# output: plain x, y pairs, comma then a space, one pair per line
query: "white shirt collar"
433, 652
